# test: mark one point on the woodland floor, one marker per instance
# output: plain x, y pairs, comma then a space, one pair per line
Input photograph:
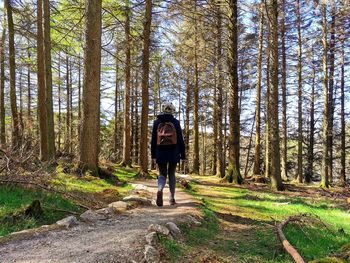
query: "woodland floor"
238, 225
242, 223
120, 239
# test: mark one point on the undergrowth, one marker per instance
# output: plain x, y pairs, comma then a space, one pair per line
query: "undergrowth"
245, 223
13, 199
205, 238
91, 185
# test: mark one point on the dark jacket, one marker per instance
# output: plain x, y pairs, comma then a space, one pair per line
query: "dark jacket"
169, 153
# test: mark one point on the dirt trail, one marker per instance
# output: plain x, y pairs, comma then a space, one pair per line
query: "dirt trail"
119, 239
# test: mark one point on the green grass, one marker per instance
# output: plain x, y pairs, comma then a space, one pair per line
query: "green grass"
257, 211
205, 237
126, 174
86, 184
91, 184
205, 233
315, 243
174, 249
13, 199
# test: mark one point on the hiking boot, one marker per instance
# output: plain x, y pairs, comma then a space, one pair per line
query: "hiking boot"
159, 201
172, 202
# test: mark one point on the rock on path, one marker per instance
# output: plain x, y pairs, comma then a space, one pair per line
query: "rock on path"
117, 239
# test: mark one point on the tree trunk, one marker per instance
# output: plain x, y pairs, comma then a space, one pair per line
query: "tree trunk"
310, 158
29, 94
59, 104
127, 136
187, 117
145, 91
276, 179
220, 147
79, 97
325, 141
14, 112
300, 99
21, 125
215, 120
68, 109
48, 82
90, 127
71, 109
284, 172
136, 120
257, 160
2, 91
330, 94
342, 116
132, 115
204, 145
267, 114
225, 146
246, 169
44, 156
116, 100
195, 169
233, 174
156, 99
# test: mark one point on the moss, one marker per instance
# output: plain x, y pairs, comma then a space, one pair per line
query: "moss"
233, 175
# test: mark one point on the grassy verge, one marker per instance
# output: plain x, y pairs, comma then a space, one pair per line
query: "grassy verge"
102, 190
247, 223
195, 239
13, 199
126, 174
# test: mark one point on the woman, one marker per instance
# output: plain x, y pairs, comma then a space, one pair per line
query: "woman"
167, 148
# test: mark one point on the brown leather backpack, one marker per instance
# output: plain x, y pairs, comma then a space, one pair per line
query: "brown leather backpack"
166, 134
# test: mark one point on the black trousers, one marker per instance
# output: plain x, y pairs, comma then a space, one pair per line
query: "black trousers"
167, 170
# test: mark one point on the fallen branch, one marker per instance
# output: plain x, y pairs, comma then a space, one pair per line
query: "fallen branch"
286, 245
60, 210
11, 159
7, 165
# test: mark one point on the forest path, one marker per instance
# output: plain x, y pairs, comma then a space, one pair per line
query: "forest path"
119, 239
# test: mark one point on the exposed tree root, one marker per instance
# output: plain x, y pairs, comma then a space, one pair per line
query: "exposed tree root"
34, 210
184, 183
108, 175
286, 245
143, 175
125, 165
60, 210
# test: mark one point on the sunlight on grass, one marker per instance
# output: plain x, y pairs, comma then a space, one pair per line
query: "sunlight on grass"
265, 207
126, 174
174, 249
91, 184
87, 184
313, 242
197, 238
14, 199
